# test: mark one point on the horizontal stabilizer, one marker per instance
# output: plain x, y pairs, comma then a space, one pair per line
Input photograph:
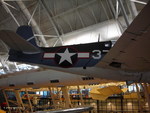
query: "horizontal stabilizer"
14, 41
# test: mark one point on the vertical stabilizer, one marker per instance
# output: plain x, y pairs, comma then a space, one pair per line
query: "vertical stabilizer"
27, 33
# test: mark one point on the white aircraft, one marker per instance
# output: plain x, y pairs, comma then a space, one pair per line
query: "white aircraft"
44, 78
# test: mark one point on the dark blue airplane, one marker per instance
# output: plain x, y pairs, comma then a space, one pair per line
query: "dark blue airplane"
128, 59
23, 48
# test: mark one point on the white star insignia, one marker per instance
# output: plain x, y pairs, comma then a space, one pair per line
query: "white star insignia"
66, 56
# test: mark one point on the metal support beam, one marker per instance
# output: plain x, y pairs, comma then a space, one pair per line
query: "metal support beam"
140, 2
124, 12
19, 100
66, 96
83, 25
117, 9
67, 22
132, 8
59, 96
30, 105
33, 14
147, 94
33, 22
113, 13
53, 97
8, 11
139, 98
51, 36
55, 43
92, 12
97, 102
4, 65
112, 8
52, 21
6, 99
81, 97
74, 9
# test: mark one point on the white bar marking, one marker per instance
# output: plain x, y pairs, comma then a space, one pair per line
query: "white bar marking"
49, 55
83, 55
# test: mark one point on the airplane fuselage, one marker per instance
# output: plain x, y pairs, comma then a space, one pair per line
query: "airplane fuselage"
82, 55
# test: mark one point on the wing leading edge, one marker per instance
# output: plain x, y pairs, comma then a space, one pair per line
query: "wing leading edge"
131, 52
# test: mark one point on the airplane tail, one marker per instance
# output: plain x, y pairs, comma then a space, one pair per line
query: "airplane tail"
23, 40
27, 33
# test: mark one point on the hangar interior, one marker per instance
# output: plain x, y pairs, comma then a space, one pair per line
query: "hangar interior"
23, 87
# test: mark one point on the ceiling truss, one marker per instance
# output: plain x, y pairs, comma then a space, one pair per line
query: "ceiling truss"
66, 17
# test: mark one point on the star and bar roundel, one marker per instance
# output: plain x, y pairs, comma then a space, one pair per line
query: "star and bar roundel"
66, 56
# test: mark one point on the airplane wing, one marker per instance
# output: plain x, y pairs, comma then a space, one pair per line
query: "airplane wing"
14, 41
132, 51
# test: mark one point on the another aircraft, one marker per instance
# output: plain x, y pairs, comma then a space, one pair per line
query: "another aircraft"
44, 78
129, 59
